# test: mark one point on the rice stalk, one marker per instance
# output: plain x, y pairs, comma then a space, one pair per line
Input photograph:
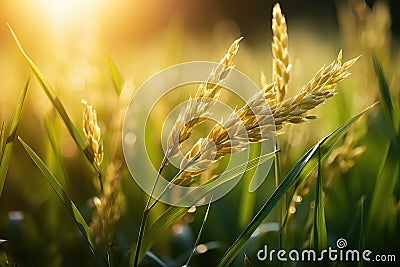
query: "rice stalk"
109, 206
196, 112
111, 201
280, 75
261, 117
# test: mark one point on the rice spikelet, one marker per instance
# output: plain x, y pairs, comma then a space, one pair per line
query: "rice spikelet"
252, 123
197, 108
92, 132
315, 92
280, 62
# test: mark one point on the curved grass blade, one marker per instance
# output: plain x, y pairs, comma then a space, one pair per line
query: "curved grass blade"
173, 213
155, 260
381, 216
55, 155
248, 197
57, 187
318, 239
47, 88
116, 78
198, 235
388, 106
324, 152
299, 172
391, 113
9, 141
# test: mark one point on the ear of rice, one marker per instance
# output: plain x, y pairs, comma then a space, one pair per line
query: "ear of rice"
197, 107
315, 92
261, 117
92, 133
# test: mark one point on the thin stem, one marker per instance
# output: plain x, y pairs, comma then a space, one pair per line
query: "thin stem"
281, 204
199, 234
146, 213
163, 164
165, 190
140, 238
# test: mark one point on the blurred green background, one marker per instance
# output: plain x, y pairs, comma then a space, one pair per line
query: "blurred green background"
70, 42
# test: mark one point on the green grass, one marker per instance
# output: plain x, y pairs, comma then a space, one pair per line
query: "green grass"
58, 188
53, 226
6, 144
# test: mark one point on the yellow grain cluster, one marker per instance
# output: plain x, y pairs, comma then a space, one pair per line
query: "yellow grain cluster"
280, 54
92, 133
266, 112
197, 108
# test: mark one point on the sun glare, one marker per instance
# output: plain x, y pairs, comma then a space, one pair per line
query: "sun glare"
63, 12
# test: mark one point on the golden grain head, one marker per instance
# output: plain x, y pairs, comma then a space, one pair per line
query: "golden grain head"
252, 123
280, 62
266, 112
197, 108
92, 132
315, 92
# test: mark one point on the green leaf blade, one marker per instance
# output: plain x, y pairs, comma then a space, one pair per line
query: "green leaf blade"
49, 91
175, 212
116, 77
9, 141
298, 173
388, 106
379, 215
319, 240
57, 187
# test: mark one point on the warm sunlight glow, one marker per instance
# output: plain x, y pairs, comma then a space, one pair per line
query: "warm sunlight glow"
64, 12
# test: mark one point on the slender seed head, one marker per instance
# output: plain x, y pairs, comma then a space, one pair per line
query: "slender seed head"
92, 132
197, 108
